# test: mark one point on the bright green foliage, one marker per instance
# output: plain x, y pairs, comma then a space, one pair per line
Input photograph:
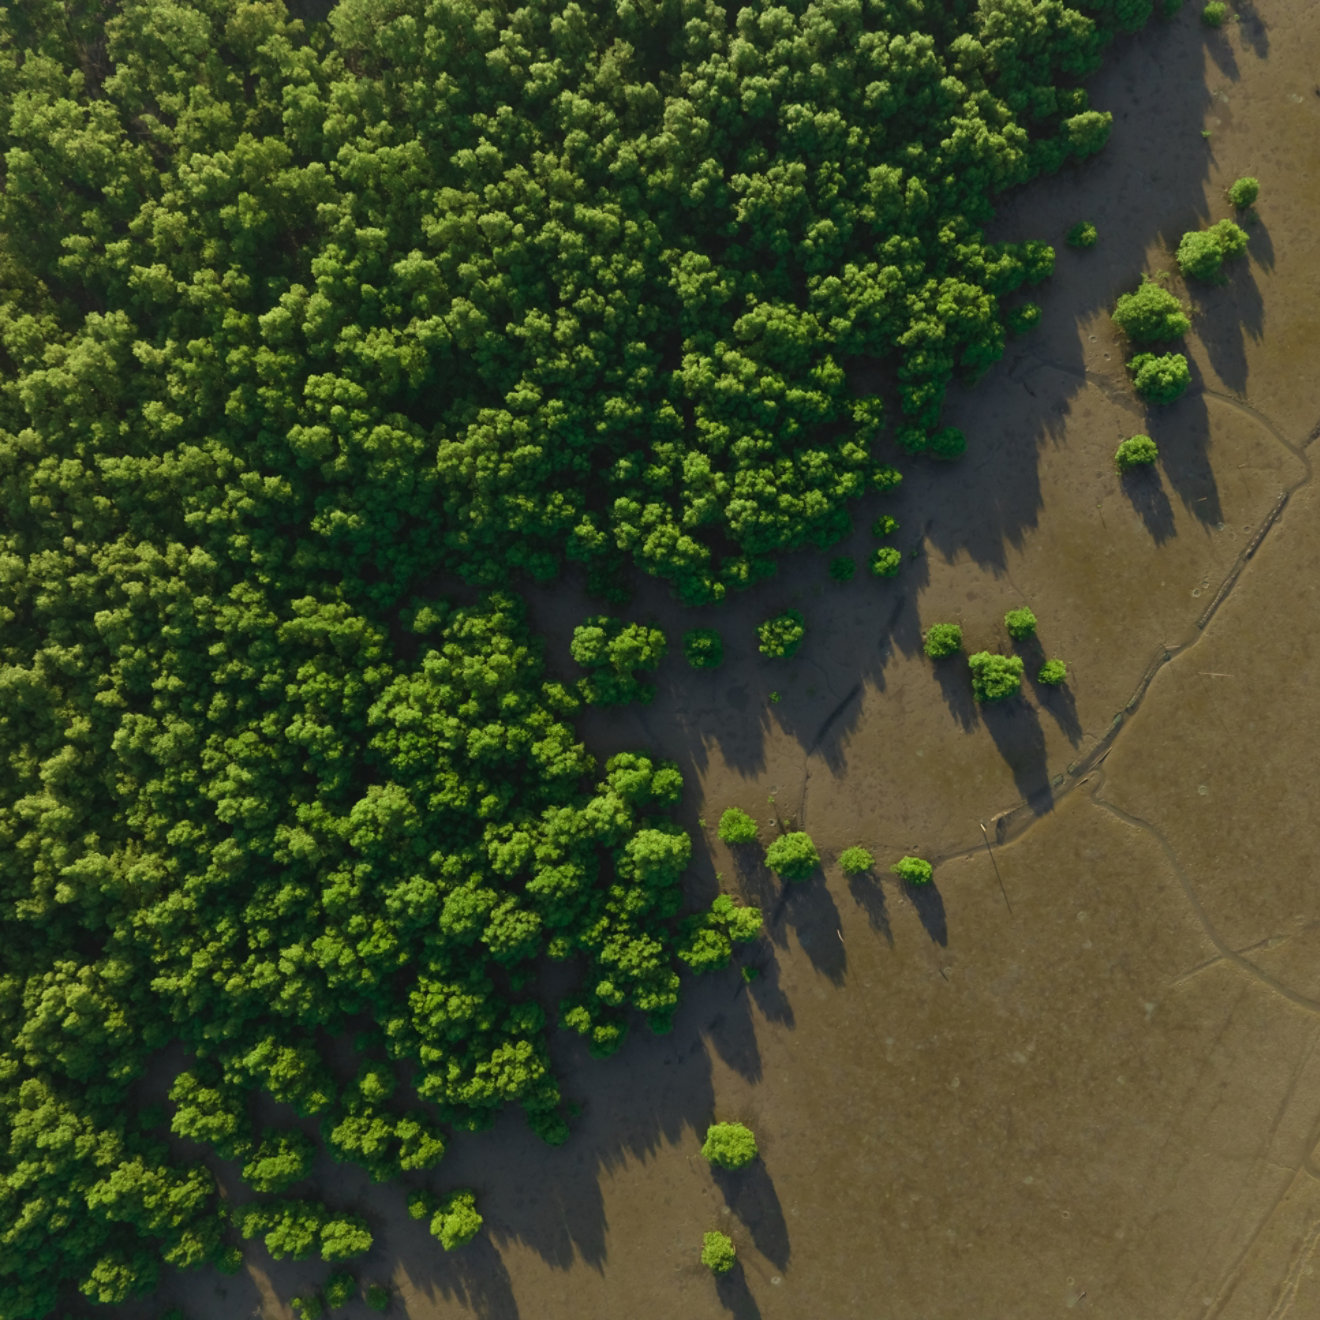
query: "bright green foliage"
1244, 191
729, 1145
842, 569
884, 525
378, 1297
792, 856
709, 937
1214, 13
1136, 451
1160, 378
315, 346
1052, 673
287, 1228
942, 640
1024, 317
995, 677
855, 861
913, 870
1201, 252
781, 636
344, 1237
614, 653
1021, 623
703, 648
456, 1220
281, 1160
886, 561
718, 1253
1150, 314
339, 1289
1082, 235
308, 1306
736, 826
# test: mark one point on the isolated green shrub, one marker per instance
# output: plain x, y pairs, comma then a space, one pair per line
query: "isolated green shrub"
855, 861
1021, 623
1160, 378
949, 442
1082, 235
729, 1145
1244, 191
995, 677
781, 636
1135, 451
378, 1297
1086, 134
703, 648
884, 525
1024, 317
942, 640
1150, 314
913, 870
339, 1289
842, 569
718, 1253
1201, 252
457, 1221
1214, 13
1052, 673
792, 856
886, 561
736, 826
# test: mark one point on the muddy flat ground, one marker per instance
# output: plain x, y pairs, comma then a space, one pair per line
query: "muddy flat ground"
1079, 1073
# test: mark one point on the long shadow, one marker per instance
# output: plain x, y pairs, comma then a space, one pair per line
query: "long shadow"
869, 895
929, 905
955, 682
805, 906
1182, 432
1145, 492
1228, 314
1015, 728
1057, 701
734, 1295
766, 993
750, 1194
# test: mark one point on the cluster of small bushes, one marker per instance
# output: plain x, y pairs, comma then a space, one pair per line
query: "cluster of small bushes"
995, 677
337, 1291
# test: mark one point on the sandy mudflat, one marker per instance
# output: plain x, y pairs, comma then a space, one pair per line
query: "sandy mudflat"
1098, 1088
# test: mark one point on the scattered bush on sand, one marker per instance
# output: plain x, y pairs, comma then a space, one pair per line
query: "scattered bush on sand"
718, 1253
1214, 13
913, 870
1150, 314
1244, 192
855, 861
1021, 623
1082, 235
457, 1220
942, 640
1136, 451
729, 1145
886, 561
781, 636
792, 856
1160, 378
995, 677
1053, 673
736, 826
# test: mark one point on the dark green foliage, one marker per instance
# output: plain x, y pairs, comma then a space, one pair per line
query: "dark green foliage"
1136, 451
378, 1297
615, 653
913, 870
1214, 13
781, 636
943, 639
792, 856
949, 442
886, 561
1160, 378
855, 861
313, 350
1150, 314
703, 648
456, 1220
729, 1145
842, 569
1244, 192
1082, 235
1088, 132
995, 677
718, 1253
1021, 623
339, 1290
1052, 673
884, 525
1021, 319
736, 826
308, 1306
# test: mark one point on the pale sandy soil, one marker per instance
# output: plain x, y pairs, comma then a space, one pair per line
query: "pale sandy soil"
1088, 1083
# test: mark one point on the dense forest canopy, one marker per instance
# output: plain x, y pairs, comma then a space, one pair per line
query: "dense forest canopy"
315, 342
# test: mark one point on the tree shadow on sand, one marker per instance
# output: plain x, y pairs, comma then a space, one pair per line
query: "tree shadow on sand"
734, 1295
1145, 492
869, 895
929, 905
750, 1194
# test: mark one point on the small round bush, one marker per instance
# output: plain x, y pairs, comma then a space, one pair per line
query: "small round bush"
884, 525
736, 826
949, 442
886, 561
308, 1306
339, 1289
717, 1253
1052, 673
913, 870
1082, 235
942, 640
1021, 319
995, 677
1244, 192
855, 861
1200, 254
1214, 13
1021, 624
1162, 378
729, 1145
1232, 237
781, 636
1136, 451
457, 1221
703, 648
792, 856
1150, 314
842, 569
378, 1297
